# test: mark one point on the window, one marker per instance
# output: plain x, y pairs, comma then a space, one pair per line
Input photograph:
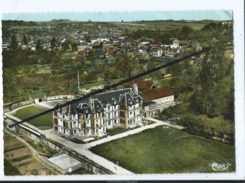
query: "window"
87, 116
109, 123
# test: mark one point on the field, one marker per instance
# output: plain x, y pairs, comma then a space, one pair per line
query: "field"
20, 160
164, 25
167, 150
10, 169
44, 121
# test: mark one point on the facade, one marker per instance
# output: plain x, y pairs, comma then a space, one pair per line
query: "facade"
92, 117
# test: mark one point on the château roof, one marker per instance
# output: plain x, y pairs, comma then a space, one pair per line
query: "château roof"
98, 102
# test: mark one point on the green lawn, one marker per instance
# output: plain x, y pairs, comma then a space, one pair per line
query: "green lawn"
116, 130
45, 120
167, 150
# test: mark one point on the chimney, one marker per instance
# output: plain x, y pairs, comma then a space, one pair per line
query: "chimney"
91, 103
135, 88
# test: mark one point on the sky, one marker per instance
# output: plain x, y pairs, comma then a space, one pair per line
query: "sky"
125, 16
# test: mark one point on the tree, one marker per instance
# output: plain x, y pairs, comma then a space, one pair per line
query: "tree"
74, 46
25, 40
214, 94
53, 43
14, 42
65, 45
125, 64
186, 31
39, 45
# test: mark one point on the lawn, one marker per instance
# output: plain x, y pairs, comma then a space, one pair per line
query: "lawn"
44, 120
167, 150
116, 130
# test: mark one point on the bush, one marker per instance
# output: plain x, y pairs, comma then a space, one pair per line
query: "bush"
209, 127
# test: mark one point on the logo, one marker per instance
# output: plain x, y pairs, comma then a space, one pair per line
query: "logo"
220, 166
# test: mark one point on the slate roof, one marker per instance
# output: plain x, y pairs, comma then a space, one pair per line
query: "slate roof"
126, 100
111, 97
157, 93
97, 106
98, 102
73, 108
83, 108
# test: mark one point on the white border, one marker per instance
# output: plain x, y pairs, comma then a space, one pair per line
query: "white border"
44, 6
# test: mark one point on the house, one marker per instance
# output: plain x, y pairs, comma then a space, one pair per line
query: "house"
156, 52
80, 56
157, 99
176, 43
149, 108
159, 95
93, 116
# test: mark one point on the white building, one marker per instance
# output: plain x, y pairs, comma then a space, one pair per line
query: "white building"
93, 116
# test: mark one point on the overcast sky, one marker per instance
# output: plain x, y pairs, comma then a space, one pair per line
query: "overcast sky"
125, 16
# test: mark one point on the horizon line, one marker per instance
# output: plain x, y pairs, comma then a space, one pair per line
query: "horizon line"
126, 16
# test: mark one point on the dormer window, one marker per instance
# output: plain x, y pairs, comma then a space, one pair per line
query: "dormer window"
130, 101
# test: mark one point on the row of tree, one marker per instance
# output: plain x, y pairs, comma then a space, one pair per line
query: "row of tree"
205, 90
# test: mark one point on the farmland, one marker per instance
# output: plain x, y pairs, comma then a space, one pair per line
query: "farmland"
163, 25
19, 159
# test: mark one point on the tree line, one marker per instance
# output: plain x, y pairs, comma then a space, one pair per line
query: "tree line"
205, 90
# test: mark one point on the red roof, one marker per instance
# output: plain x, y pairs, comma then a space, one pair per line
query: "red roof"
142, 84
157, 93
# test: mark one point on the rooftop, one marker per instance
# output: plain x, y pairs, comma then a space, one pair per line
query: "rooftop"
64, 161
157, 93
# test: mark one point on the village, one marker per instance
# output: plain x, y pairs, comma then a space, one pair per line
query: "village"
61, 60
